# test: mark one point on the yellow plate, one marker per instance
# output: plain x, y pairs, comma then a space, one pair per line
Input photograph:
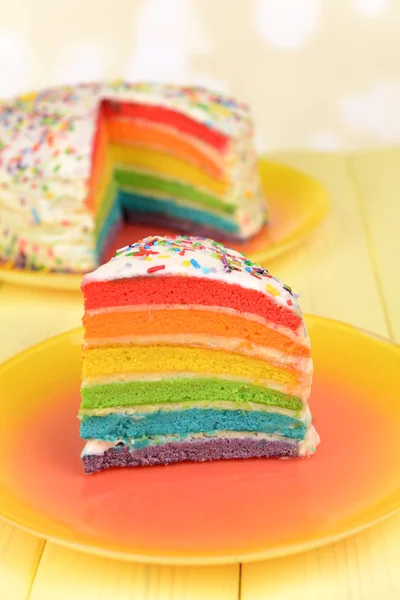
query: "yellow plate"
297, 204
205, 513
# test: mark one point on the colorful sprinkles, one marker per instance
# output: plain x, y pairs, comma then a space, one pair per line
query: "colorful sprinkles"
229, 261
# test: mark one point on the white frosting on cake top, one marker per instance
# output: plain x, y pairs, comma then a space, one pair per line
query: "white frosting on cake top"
192, 257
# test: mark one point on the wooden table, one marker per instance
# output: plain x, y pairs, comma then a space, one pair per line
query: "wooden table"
347, 270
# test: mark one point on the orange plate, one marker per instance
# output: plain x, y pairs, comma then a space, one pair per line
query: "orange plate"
205, 513
297, 205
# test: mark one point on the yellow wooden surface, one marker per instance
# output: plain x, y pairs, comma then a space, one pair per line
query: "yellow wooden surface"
347, 270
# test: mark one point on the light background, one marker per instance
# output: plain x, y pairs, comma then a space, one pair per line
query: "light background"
319, 74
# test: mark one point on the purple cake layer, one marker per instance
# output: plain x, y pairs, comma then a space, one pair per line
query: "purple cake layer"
198, 451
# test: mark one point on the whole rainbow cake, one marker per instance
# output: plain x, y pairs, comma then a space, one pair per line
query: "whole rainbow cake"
191, 352
76, 162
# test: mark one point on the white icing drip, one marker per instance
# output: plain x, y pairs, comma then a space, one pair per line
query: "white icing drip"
310, 442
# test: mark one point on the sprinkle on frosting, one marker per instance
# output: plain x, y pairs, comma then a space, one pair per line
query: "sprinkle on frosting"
155, 269
203, 258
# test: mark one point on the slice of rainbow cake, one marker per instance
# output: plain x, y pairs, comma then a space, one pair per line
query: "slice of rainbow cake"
191, 352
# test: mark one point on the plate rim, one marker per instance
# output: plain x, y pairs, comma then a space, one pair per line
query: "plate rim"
202, 560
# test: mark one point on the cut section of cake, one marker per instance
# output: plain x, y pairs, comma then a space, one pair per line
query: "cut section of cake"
77, 162
191, 352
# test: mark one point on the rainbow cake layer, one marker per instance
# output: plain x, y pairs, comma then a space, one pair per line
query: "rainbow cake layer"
76, 162
191, 352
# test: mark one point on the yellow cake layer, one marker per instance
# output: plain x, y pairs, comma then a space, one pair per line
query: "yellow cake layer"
165, 165
114, 360
159, 164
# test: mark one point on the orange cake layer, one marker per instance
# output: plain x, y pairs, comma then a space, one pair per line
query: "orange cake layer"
137, 133
164, 322
187, 291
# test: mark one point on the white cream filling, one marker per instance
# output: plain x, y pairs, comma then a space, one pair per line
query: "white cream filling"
179, 201
214, 342
98, 447
301, 391
216, 157
303, 414
139, 168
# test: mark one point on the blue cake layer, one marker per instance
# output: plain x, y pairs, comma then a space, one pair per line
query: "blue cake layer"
139, 204
123, 426
112, 222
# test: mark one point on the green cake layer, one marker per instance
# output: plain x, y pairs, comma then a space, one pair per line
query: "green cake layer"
134, 180
108, 205
138, 180
183, 390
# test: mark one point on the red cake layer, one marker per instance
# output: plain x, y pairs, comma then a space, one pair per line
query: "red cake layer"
186, 290
166, 116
